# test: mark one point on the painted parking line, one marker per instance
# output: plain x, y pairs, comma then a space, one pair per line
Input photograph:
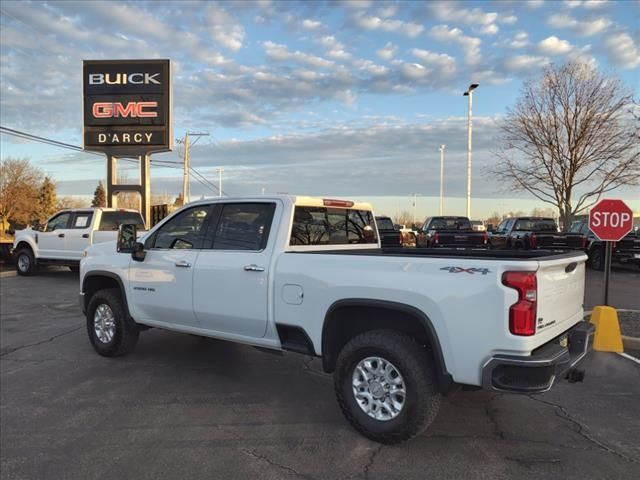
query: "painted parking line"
630, 357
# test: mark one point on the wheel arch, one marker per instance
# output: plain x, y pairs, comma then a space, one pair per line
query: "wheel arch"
349, 317
99, 279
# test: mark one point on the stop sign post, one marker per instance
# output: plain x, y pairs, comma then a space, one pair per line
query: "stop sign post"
610, 220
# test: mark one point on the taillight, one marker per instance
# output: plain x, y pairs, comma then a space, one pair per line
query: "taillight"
400, 242
584, 242
485, 238
522, 314
533, 240
436, 238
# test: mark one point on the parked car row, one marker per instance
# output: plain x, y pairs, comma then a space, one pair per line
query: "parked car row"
516, 233
626, 251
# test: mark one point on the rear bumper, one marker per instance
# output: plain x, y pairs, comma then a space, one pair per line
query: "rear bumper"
538, 372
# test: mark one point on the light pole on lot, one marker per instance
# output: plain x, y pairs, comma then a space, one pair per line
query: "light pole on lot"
415, 196
441, 175
469, 93
220, 172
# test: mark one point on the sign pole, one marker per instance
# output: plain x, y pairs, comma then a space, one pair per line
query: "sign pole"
607, 271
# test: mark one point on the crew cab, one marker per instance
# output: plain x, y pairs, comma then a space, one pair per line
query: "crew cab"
64, 236
625, 251
398, 327
534, 233
439, 232
389, 235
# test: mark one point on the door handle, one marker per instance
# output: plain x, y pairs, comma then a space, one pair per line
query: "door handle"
86, 235
253, 268
183, 264
61, 235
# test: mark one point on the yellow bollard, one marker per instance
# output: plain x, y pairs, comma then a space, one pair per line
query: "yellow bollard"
607, 337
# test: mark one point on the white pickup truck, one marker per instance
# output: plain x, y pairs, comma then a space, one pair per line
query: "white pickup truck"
397, 327
64, 236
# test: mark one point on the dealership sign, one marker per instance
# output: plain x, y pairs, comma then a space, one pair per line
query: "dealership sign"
127, 106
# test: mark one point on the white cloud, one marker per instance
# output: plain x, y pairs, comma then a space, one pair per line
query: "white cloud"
369, 22
335, 49
388, 11
589, 4
387, 52
469, 45
486, 22
554, 46
585, 28
524, 63
623, 50
281, 53
534, 4
520, 40
444, 64
223, 28
309, 24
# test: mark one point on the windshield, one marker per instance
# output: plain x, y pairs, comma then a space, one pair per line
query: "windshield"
450, 223
384, 223
536, 225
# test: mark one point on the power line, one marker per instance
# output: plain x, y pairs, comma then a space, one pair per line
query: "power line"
56, 143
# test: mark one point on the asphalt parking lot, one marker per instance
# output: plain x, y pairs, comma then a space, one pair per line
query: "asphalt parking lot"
185, 407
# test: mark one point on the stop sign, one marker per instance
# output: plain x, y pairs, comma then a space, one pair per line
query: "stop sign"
610, 220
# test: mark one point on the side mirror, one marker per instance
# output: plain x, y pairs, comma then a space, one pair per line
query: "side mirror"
128, 242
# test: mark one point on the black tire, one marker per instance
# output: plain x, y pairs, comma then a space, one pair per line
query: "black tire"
126, 332
25, 262
415, 365
596, 259
74, 268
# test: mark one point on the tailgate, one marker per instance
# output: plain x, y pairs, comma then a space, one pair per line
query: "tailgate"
560, 294
558, 240
461, 239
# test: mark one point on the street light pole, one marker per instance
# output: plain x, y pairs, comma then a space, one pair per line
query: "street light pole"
469, 93
415, 196
441, 175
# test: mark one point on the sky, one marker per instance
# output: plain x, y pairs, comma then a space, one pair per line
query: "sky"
341, 99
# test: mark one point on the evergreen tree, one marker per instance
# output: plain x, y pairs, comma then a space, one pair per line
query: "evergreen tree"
47, 199
99, 196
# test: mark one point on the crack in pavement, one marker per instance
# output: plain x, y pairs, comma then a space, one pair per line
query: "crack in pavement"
50, 339
371, 461
497, 431
253, 454
561, 412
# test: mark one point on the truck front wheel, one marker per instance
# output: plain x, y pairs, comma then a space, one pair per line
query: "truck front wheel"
111, 331
25, 262
386, 386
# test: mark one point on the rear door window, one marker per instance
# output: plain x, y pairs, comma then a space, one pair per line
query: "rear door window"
243, 226
82, 220
332, 226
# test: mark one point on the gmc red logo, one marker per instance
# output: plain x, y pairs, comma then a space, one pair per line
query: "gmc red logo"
131, 109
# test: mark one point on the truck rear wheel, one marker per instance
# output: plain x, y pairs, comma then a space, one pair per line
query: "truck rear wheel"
25, 262
386, 386
111, 331
596, 259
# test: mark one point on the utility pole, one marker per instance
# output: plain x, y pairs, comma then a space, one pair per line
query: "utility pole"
469, 93
220, 172
186, 185
441, 175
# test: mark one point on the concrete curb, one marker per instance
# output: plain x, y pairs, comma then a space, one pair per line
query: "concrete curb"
631, 343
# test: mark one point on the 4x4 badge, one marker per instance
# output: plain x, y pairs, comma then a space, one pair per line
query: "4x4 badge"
470, 271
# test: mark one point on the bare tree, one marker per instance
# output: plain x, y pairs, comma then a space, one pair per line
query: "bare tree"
570, 139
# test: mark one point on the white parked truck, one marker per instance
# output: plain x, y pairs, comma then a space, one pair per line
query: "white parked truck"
398, 327
64, 236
